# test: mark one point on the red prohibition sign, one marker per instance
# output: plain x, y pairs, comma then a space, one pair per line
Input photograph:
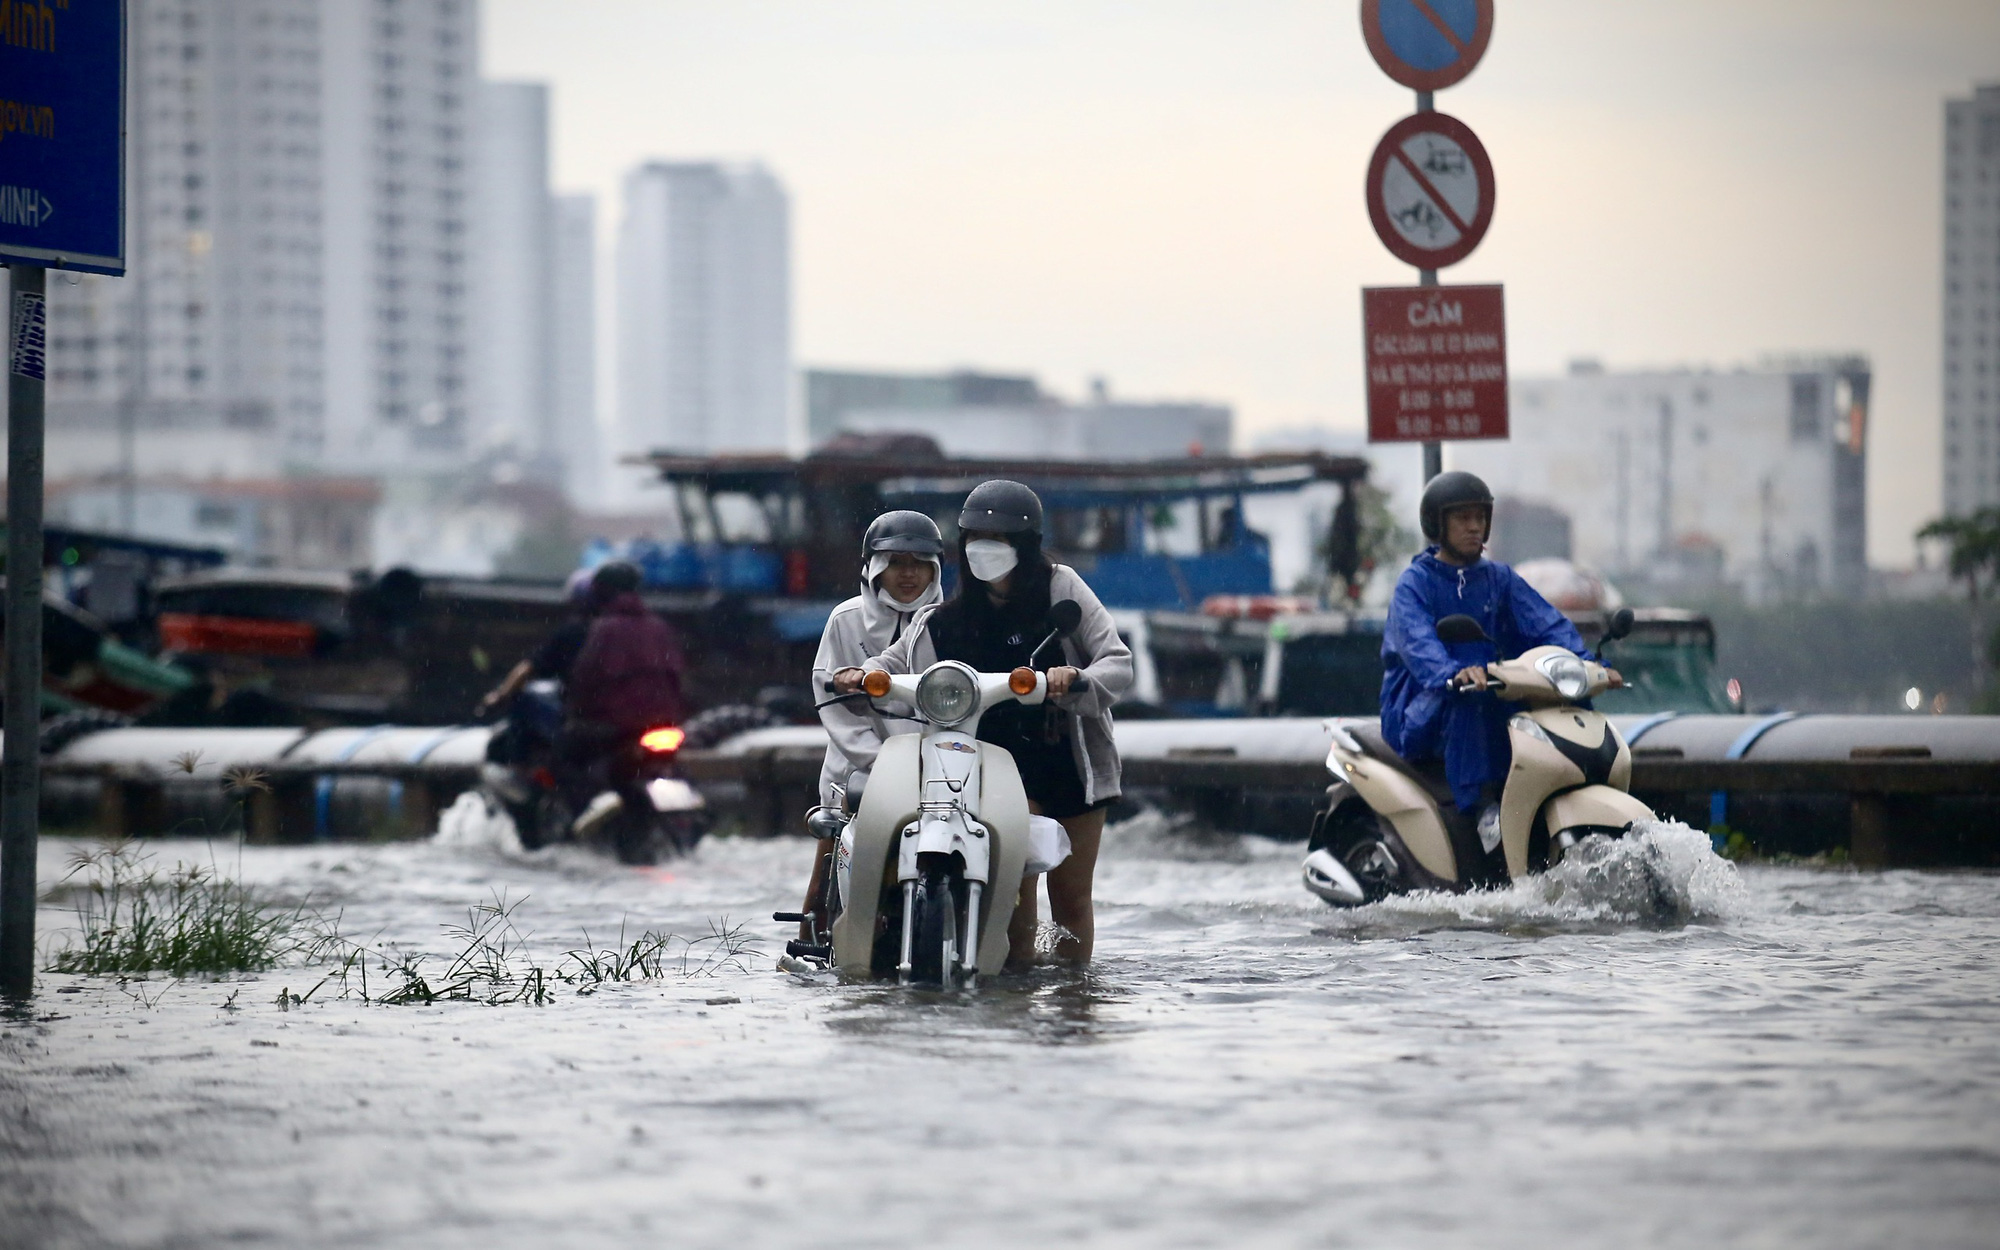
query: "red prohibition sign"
1430, 190
1427, 45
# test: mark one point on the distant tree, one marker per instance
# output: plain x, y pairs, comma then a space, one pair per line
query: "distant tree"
1972, 554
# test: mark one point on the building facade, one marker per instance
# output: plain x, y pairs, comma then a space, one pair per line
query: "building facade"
513, 314
831, 394
298, 232
704, 310
1010, 417
1754, 477
1972, 302
574, 406
397, 235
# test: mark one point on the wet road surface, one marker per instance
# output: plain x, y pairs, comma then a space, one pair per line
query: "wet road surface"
1657, 1049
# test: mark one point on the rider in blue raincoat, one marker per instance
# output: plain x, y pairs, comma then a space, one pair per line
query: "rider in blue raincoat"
1422, 718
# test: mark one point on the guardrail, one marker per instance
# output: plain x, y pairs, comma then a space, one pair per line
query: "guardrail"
1893, 790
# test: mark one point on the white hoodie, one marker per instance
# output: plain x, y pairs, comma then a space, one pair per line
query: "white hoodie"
857, 631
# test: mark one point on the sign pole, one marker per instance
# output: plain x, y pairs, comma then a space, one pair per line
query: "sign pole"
20, 765
1433, 449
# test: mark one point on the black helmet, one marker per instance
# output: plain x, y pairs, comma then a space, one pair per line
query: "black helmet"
1002, 507
902, 531
614, 578
1450, 490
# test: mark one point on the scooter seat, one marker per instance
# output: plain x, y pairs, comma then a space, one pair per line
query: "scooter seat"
1429, 774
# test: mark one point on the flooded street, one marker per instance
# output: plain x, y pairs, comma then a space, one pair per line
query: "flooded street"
1658, 1049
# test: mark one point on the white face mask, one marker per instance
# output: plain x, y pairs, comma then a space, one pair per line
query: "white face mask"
990, 558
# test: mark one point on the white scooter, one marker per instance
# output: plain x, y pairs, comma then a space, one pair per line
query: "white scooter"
929, 859
1391, 828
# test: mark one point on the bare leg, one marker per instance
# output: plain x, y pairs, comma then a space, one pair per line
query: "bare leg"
1027, 917
814, 886
1022, 925
1070, 884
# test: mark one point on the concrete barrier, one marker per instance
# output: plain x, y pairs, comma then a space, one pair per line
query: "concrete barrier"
1891, 789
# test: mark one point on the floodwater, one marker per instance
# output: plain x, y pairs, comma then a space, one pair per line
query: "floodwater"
1655, 1049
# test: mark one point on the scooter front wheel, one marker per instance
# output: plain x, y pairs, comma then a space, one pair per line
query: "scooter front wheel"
935, 947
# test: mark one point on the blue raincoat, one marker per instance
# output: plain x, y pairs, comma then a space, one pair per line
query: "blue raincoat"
1421, 717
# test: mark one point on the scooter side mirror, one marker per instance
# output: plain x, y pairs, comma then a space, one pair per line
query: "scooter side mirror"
1619, 625
1458, 628
1064, 616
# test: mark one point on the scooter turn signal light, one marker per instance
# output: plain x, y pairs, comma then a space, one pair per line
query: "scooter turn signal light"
1021, 681
876, 683
663, 741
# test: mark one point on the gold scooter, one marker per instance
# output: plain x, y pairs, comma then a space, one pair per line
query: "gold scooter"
1391, 828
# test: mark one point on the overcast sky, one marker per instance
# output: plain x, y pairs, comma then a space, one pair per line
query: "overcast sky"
1168, 192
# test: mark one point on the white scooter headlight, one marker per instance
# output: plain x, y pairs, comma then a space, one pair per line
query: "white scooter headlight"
947, 695
1566, 673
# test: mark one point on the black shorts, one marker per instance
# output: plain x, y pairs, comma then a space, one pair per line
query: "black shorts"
1048, 774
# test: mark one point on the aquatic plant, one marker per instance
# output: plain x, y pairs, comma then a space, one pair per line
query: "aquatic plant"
493, 965
652, 956
136, 918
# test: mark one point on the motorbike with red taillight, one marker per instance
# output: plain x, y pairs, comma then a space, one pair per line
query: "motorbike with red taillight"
608, 789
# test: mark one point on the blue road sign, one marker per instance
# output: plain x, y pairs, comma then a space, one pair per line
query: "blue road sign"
1427, 45
62, 134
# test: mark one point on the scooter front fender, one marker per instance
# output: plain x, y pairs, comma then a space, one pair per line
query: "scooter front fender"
887, 805
1594, 807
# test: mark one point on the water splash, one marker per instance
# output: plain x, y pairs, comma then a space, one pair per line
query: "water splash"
1661, 874
471, 824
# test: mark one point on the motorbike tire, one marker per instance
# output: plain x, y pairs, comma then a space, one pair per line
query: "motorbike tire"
538, 823
678, 832
635, 838
1354, 833
936, 930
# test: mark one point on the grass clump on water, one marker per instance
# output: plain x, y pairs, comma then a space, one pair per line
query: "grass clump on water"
136, 918
493, 965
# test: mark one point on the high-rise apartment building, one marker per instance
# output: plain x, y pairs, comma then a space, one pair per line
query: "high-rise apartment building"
704, 310
208, 354
298, 220
575, 337
513, 309
1972, 302
397, 126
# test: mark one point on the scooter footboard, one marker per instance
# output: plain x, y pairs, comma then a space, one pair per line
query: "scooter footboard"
1594, 807
1003, 809
887, 805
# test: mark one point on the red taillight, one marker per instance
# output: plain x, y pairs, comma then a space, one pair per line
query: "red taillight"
663, 741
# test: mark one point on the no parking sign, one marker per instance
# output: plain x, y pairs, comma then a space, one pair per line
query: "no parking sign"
1427, 45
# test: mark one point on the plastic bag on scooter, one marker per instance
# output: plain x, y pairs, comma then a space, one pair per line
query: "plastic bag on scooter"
1048, 845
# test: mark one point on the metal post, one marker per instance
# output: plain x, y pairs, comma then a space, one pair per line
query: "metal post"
20, 765
1433, 450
